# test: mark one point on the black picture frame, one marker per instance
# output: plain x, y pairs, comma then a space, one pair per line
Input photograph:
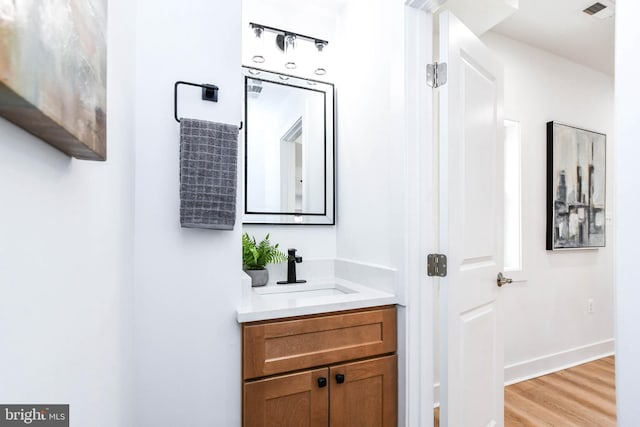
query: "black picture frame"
576, 188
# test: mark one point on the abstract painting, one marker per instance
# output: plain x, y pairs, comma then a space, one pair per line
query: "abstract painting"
53, 72
576, 184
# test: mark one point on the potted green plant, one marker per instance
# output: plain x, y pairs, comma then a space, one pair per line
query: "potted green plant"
255, 256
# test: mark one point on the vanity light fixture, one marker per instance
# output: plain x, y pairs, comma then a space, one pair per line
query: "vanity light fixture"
258, 46
320, 70
287, 42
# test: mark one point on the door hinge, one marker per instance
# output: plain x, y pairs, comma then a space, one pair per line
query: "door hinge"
436, 74
437, 265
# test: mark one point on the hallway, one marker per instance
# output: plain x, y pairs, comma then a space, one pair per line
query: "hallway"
580, 396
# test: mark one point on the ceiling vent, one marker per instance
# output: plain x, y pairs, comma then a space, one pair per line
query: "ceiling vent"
602, 9
594, 8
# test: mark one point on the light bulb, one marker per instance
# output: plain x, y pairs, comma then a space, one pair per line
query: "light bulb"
320, 70
289, 47
258, 45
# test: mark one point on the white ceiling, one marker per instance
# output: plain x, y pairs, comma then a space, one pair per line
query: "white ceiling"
560, 27
557, 26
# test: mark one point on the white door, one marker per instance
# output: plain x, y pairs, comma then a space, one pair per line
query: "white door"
471, 230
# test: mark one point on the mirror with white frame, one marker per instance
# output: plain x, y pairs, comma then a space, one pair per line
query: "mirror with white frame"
289, 150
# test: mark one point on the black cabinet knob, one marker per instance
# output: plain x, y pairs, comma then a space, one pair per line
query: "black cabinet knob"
339, 378
322, 382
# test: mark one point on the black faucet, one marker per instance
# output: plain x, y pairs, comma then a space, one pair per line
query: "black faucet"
291, 268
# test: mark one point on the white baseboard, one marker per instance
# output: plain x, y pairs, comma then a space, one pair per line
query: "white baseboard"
548, 364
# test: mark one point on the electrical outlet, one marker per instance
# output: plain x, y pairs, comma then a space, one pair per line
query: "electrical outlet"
590, 306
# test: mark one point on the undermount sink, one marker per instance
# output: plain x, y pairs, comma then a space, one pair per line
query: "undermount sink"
303, 290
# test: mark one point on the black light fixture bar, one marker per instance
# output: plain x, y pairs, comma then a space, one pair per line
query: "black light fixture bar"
285, 32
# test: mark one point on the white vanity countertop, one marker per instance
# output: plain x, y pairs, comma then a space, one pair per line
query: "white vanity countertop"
318, 296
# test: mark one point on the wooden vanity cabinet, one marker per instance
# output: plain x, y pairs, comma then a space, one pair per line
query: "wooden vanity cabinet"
342, 370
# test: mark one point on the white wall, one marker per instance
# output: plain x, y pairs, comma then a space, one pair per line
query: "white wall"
628, 202
371, 145
187, 288
546, 320
66, 267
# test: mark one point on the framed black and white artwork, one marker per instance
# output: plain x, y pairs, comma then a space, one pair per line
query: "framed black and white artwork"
576, 184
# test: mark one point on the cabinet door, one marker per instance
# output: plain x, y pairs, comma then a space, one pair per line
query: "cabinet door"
271, 348
364, 394
296, 400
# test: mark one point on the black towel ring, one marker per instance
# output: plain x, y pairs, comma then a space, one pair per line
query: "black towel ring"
209, 93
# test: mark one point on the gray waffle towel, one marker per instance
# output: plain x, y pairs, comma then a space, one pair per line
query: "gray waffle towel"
208, 173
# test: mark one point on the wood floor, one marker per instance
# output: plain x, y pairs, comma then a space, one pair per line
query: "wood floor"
580, 396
